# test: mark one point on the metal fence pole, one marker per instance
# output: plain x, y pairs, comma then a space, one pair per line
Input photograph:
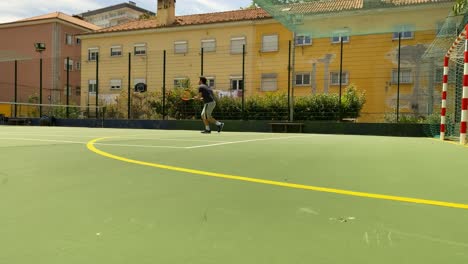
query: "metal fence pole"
68, 87
398, 82
129, 85
164, 86
16, 88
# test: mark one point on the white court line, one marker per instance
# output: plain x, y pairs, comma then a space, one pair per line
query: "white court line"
140, 146
84, 143
44, 140
242, 141
117, 136
150, 146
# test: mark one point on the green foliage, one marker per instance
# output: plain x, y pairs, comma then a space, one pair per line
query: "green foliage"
459, 7
269, 106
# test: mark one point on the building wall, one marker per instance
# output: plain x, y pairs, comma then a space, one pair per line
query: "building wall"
114, 17
20, 41
369, 59
220, 64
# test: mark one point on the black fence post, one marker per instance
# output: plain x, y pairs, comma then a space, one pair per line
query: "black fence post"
289, 81
202, 61
97, 86
243, 82
40, 86
164, 86
129, 105
341, 79
68, 87
398, 82
16, 88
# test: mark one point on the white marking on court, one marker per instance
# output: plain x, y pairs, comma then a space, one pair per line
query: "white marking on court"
390, 238
429, 238
308, 211
139, 146
44, 140
366, 238
242, 141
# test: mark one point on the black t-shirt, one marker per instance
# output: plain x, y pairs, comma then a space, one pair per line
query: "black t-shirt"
207, 93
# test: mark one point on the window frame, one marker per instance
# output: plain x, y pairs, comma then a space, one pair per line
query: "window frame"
394, 79
304, 38
178, 43
141, 52
239, 82
93, 51
112, 51
115, 84
275, 46
344, 82
70, 65
232, 50
92, 83
302, 74
179, 79
203, 41
265, 77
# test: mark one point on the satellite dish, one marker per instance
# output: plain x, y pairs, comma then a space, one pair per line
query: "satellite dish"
140, 87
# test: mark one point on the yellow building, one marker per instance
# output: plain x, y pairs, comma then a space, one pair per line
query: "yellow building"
369, 59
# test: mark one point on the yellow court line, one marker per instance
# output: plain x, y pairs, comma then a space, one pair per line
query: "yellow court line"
90, 145
450, 142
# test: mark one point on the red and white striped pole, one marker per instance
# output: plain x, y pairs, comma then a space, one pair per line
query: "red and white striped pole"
464, 113
443, 110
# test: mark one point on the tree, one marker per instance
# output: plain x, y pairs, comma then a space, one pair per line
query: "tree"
460, 7
251, 6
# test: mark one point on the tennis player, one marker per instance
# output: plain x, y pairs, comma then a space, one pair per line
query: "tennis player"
206, 94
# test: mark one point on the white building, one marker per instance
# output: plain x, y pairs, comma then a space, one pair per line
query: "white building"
115, 15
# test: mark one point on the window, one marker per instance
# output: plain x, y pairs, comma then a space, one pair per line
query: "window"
139, 49
406, 76
269, 82
93, 53
68, 39
116, 51
210, 81
92, 86
208, 45
78, 91
78, 66
115, 84
70, 65
69, 90
139, 80
303, 40
180, 47
337, 36
406, 33
78, 41
181, 82
335, 78
237, 83
269, 43
302, 79
237, 45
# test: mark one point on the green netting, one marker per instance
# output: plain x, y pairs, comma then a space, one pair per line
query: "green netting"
328, 18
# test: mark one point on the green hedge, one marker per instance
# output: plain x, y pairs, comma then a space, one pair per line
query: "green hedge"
270, 106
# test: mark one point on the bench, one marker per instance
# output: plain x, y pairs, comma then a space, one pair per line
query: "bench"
286, 127
18, 121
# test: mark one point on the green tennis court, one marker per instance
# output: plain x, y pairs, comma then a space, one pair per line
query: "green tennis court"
88, 195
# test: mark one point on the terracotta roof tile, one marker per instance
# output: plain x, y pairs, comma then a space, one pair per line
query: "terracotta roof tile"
199, 19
